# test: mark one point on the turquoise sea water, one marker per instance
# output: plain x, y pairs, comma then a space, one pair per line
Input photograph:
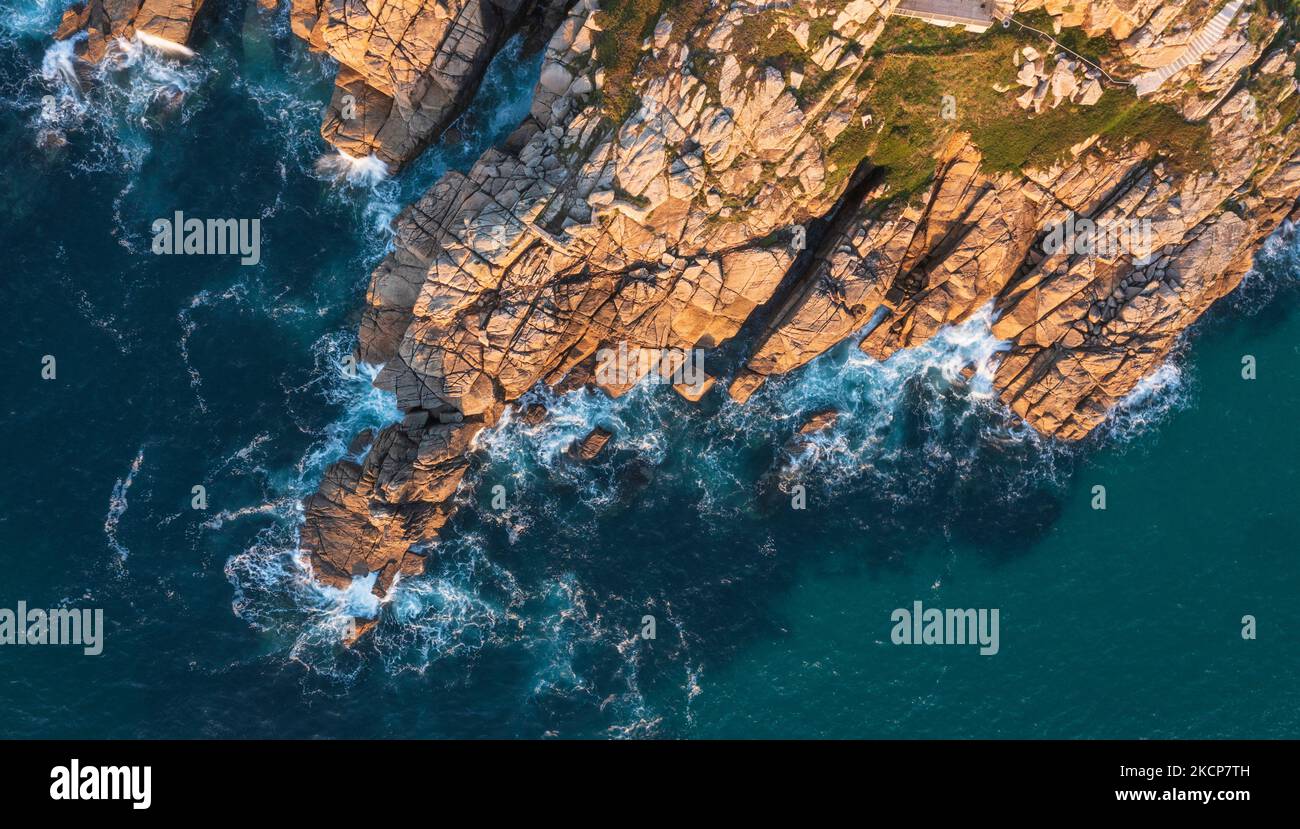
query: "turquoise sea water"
183, 371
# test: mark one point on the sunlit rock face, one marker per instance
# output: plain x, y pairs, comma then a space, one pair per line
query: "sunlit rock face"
406, 67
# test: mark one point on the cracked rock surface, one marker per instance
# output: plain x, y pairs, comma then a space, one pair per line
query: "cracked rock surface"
406, 67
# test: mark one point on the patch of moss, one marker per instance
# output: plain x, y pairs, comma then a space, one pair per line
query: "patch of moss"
1287, 113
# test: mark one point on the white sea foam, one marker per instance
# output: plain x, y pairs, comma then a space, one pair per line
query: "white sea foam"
162, 44
115, 103
58, 65
1276, 266
32, 18
921, 391
467, 602
219, 520
367, 170
1150, 403
273, 586
446, 611
117, 506
107, 323
364, 406
463, 604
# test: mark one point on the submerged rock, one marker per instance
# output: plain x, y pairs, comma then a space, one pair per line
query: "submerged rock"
165, 102
361, 442
51, 139
533, 414
819, 421
358, 629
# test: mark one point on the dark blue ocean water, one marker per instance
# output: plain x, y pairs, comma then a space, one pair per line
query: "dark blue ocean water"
174, 372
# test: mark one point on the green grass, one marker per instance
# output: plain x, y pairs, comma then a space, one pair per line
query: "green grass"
915, 65
1118, 116
1267, 89
617, 49
626, 24
904, 100
1095, 49
767, 41
1288, 10
755, 42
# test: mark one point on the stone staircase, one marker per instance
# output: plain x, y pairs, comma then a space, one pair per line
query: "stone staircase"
1213, 32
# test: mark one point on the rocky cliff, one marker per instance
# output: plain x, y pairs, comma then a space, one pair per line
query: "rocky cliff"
675, 159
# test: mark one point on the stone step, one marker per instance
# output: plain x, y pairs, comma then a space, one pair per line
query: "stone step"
1208, 36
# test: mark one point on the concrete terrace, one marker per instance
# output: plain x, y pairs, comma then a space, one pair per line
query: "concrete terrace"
975, 15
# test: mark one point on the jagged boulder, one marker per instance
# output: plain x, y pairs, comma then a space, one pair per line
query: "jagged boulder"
407, 67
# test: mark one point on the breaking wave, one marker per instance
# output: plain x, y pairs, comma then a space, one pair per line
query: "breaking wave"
273, 587
1276, 268
117, 506
1156, 396
116, 104
339, 166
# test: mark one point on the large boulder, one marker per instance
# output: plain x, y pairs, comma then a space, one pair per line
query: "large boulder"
406, 68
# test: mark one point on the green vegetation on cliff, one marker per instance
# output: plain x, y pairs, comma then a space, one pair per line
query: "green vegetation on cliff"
921, 85
626, 24
915, 67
